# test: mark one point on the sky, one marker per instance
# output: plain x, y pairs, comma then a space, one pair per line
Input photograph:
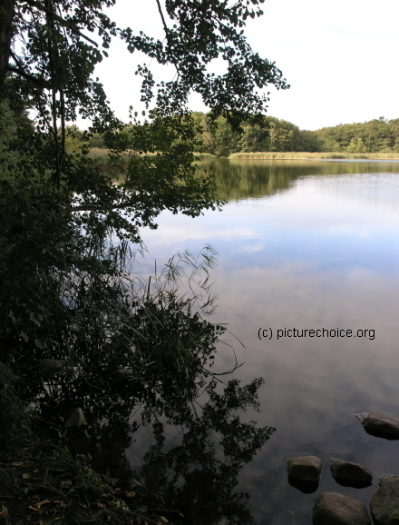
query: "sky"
340, 58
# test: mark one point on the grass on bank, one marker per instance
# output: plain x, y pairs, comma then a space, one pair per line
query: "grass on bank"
285, 155
101, 155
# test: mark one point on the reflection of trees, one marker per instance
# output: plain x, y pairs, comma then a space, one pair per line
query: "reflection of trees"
198, 475
242, 178
151, 353
194, 478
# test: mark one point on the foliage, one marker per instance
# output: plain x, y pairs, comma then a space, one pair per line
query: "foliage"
274, 134
378, 135
267, 134
77, 328
60, 211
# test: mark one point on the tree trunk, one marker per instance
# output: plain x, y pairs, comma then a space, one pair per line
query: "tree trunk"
6, 30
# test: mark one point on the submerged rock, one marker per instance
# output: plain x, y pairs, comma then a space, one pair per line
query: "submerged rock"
332, 508
385, 502
380, 424
304, 468
350, 474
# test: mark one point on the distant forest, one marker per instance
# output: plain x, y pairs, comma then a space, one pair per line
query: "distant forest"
376, 136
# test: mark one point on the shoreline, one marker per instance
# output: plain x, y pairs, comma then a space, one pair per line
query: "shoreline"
98, 153
319, 155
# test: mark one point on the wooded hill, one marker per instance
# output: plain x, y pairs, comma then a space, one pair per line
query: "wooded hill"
376, 136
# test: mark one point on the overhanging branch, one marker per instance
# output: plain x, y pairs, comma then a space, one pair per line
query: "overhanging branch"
166, 29
40, 81
62, 21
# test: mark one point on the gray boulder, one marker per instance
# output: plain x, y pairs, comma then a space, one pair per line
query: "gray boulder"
350, 474
385, 502
305, 468
332, 508
380, 424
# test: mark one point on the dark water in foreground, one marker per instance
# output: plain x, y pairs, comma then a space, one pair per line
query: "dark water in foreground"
305, 245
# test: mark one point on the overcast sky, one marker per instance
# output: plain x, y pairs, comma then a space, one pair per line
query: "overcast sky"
340, 58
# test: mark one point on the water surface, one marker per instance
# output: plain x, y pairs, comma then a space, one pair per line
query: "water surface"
305, 245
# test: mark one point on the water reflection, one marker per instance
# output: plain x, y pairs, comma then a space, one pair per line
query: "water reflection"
306, 245
195, 471
241, 178
164, 385
184, 455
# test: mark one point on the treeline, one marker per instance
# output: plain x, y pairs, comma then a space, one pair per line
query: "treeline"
376, 136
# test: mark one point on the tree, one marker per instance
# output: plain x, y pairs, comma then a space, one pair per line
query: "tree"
56, 58
356, 146
76, 328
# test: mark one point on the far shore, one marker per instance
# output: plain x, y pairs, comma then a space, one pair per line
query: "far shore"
283, 155
99, 153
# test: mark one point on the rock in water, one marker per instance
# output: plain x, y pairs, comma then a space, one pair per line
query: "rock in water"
385, 502
361, 416
382, 425
305, 468
332, 508
350, 474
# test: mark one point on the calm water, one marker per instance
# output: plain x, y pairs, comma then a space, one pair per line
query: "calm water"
305, 245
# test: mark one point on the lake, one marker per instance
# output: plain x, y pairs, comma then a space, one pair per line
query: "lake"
305, 245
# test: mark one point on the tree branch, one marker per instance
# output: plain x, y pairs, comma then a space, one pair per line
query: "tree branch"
43, 83
166, 29
65, 23
119, 206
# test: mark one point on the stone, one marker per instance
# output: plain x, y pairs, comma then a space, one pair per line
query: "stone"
307, 487
332, 508
305, 468
76, 419
385, 501
380, 424
350, 474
